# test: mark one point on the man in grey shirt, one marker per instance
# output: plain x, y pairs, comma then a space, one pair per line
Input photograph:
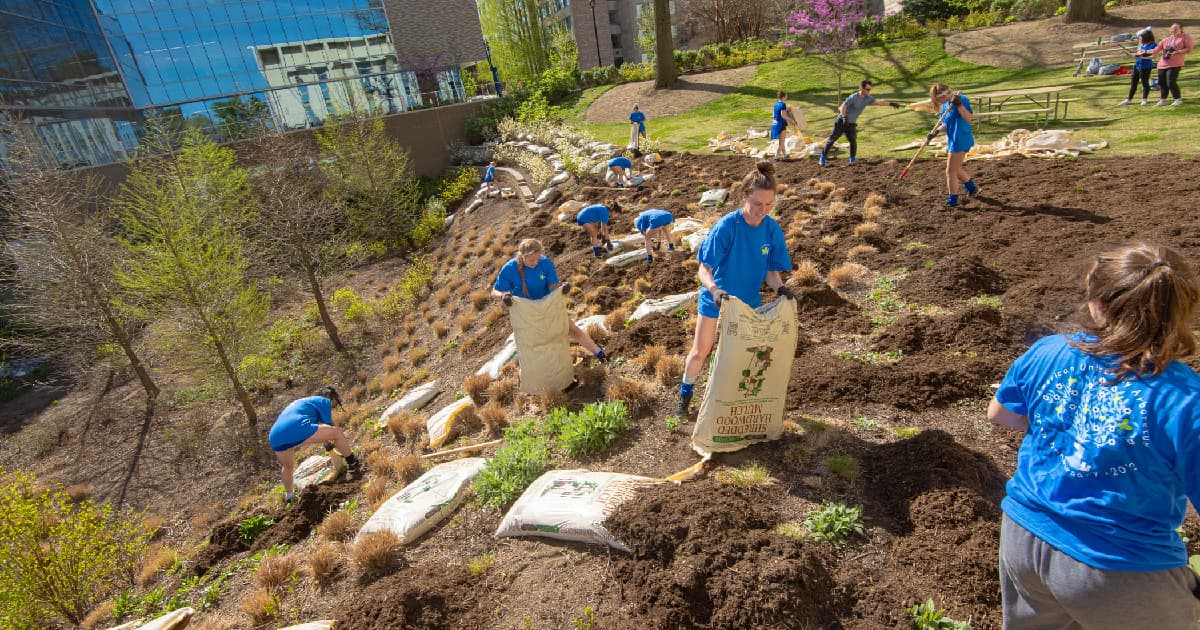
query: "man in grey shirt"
847, 120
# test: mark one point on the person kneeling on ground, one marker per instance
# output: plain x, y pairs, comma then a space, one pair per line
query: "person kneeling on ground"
655, 224
847, 119
956, 121
532, 276
1110, 456
307, 421
743, 249
622, 170
594, 220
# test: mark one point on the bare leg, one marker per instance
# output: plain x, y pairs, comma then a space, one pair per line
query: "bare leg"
326, 433
287, 462
702, 344
956, 175
779, 147
593, 235
582, 338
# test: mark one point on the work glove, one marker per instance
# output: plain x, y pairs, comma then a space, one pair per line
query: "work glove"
507, 299
608, 244
894, 105
932, 134
566, 288
957, 100
785, 292
649, 258
670, 247
719, 295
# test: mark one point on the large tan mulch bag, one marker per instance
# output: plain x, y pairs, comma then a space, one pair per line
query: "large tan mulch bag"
747, 385
571, 505
540, 330
171, 621
425, 502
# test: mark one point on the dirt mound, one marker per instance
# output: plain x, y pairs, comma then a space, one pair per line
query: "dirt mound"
312, 506
416, 598
952, 278
704, 556
224, 541
821, 307
672, 279
915, 383
911, 482
654, 329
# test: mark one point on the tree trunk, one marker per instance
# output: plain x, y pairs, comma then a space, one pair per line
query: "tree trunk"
1084, 11
326, 320
664, 46
242, 395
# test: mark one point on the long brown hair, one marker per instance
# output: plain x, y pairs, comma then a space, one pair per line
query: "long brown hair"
1147, 294
936, 90
761, 178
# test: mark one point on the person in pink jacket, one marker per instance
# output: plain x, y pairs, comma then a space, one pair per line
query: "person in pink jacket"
1173, 49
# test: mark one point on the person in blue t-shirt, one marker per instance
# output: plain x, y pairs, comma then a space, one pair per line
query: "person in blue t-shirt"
956, 121
743, 249
847, 119
307, 421
1143, 66
780, 119
637, 123
621, 169
1110, 457
531, 276
489, 176
655, 224
594, 220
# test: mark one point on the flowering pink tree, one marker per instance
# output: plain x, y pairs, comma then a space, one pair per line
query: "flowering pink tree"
827, 27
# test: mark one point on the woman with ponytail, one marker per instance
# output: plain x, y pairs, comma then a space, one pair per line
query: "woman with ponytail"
1110, 457
743, 249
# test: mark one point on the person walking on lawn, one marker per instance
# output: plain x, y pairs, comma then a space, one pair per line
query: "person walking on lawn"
743, 249
783, 115
637, 119
1110, 456
532, 276
847, 119
307, 421
594, 220
655, 225
956, 122
1174, 48
1143, 67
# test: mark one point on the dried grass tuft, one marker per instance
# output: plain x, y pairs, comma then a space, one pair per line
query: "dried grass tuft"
324, 562
837, 208
417, 355
552, 400
502, 391
669, 370
641, 286
156, 558
338, 526
649, 358
807, 273
276, 570
591, 376
377, 491
376, 553
493, 316
859, 251
391, 362
442, 296
868, 227
847, 275
494, 418
78, 492
407, 468
823, 187
598, 333
476, 387
464, 321
638, 396
829, 240
260, 606
440, 329
873, 206
480, 299
99, 615
617, 318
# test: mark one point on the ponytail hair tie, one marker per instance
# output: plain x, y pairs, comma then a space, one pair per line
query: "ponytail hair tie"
1151, 268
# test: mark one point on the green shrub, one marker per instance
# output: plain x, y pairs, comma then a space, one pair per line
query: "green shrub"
432, 221
538, 109
522, 459
637, 71
1034, 9
351, 306
593, 428
58, 560
257, 373
926, 10
414, 286
457, 183
250, 528
834, 523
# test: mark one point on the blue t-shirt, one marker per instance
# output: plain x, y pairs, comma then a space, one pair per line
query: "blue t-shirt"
653, 218
740, 257
298, 421
537, 280
958, 130
595, 213
1104, 472
780, 106
855, 105
1145, 63
639, 118
489, 174
622, 161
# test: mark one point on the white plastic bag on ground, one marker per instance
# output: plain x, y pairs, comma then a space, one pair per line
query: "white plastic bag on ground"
747, 385
666, 304
496, 363
571, 505
609, 176
425, 502
592, 320
311, 471
628, 242
441, 424
547, 195
473, 206
685, 226
412, 401
171, 621
625, 259
540, 329
714, 197
641, 179
696, 239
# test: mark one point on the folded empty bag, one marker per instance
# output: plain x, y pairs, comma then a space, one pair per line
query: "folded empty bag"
540, 330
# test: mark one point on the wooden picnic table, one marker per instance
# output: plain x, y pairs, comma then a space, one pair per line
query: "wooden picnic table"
1046, 98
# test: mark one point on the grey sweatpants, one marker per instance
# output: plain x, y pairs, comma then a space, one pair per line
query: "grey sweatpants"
1045, 589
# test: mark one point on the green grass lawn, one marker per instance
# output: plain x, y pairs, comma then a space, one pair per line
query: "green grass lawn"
903, 71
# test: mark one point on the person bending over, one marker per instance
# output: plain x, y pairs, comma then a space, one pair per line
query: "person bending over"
307, 421
622, 170
655, 225
594, 220
847, 119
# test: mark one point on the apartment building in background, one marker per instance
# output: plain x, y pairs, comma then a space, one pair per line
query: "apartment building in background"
85, 74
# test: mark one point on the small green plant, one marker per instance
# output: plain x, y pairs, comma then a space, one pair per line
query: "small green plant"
915, 245
676, 192
863, 423
988, 301
795, 531
250, 528
477, 565
449, 345
673, 423
844, 466
834, 523
587, 621
908, 432
926, 616
885, 358
593, 428
752, 473
522, 459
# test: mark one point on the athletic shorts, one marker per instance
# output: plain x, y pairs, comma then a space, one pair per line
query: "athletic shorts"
777, 129
961, 148
487, 179
292, 432
705, 305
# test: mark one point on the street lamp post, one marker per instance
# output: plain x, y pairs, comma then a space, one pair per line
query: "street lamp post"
595, 32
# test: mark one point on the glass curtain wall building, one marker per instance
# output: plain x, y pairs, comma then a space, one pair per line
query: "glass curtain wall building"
87, 72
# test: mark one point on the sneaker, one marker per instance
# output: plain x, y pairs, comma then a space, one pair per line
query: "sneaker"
1124, 103
1145, 102
821, 160
971, 187
853, 160
1162, 103
951, 201
670, 247
683, 408
1177, 102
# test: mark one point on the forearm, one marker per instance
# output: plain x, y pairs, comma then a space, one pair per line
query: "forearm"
964, 113
774, 279
704, 273
999, 414
497, 293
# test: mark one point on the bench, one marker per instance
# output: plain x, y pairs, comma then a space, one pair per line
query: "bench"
1000, 113
1064, 102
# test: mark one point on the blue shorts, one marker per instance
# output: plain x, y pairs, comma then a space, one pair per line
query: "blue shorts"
705, 305
960, 148
487, 178
292, 432
777, 128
